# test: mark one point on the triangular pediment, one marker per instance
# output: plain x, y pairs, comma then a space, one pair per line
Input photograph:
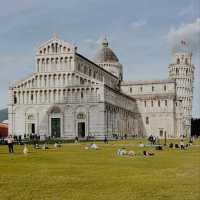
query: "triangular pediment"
55, 46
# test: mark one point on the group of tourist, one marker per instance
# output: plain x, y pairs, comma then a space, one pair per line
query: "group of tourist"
92, 146
121, 152
131, 153
181, 145
10, 143
153, 140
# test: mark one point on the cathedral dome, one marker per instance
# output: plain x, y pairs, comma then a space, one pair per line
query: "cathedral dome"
105, 54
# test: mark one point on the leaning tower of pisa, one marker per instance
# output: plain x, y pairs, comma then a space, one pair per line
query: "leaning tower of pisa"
182, 71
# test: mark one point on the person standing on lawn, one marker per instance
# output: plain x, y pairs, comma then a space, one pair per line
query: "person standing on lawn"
105, 140
10, 144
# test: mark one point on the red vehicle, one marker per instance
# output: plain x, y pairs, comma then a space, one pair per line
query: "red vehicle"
3, 130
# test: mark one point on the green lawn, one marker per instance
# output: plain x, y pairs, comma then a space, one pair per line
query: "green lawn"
74, 173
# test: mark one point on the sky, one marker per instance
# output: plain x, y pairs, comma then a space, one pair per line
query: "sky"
142, 33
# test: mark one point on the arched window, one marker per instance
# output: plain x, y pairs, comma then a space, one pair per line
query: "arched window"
130, 90
52, 47
56, 47
90, 72
158, 103
81, 81
152, 88
186, 72
165, 87
186, 61
95, 74
147, 120
81, 116
178, 61
15, 99
31, 97
54, 109
84, 70
47, 61
56, 61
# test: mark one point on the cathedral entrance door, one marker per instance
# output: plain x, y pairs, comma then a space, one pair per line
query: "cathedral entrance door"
31, 128
55, 127
81, 129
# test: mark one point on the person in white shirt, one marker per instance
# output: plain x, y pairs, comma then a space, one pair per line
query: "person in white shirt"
10, 144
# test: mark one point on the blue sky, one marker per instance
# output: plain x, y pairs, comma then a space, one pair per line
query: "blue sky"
141, 32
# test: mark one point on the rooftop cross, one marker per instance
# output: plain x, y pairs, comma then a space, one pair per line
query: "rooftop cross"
55, 35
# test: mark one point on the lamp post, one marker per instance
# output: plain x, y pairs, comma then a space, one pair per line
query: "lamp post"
165, 135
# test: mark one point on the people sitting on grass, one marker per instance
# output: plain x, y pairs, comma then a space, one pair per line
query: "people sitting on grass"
171, 145
124, 152
141, 145
44, 147
148, 153
182, 145
76, 140
131, 153
159, 147
37, 146
92, 146
57, 145
176, 146
25, 150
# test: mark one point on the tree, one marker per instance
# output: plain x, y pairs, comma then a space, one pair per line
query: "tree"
195, 127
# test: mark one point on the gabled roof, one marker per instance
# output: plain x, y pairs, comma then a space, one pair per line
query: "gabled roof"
55, 39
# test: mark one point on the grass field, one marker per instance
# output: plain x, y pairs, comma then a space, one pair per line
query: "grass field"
73, 173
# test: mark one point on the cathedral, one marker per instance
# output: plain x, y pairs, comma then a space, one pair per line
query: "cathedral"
72, 96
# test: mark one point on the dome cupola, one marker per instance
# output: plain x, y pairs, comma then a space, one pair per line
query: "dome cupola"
105, 54
107, 59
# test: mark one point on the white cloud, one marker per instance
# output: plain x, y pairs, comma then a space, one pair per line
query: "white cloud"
188, 32
136, 25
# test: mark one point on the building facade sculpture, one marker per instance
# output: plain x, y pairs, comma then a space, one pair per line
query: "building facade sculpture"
70, 95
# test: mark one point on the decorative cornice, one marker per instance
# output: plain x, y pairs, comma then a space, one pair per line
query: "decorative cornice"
142, 82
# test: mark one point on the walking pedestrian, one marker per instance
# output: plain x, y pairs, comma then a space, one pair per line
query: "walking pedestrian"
10, 144
105, 140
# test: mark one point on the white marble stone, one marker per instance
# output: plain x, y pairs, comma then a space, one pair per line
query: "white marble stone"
70, 95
